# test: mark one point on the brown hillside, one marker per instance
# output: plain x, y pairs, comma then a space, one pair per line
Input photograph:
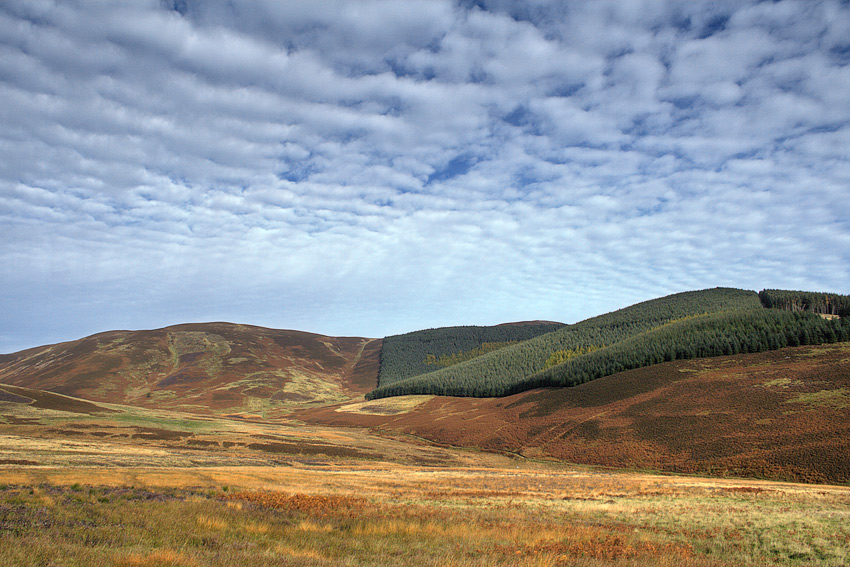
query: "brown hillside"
47, 400
781, 415
203, 368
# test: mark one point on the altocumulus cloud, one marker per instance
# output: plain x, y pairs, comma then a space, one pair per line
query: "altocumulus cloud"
374, 167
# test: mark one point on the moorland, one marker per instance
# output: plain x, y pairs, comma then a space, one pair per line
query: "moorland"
705, 428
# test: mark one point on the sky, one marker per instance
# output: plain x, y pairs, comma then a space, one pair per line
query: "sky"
369, 168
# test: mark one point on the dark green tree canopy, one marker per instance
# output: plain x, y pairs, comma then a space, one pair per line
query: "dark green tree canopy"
706, 323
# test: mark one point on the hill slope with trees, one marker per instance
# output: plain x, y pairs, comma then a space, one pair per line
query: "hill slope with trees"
525, 359
421, 352
687, 325
814, 302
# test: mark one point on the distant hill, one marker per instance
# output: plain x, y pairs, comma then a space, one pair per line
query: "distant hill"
696, 324
214, 368
782, 415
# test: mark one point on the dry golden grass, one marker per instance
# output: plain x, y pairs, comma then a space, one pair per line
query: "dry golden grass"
385, 406
136, 437
158, 558
211, 523
384, 513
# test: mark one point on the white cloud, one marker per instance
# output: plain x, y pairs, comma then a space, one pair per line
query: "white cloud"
371, 168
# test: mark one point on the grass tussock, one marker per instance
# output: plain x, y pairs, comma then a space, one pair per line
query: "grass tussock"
158, 558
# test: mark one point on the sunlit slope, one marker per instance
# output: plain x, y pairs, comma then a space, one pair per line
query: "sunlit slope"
41, 430
783, 414
506, 370
203, 368
429, 350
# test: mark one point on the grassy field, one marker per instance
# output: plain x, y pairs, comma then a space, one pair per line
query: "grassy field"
135, 487
330, 513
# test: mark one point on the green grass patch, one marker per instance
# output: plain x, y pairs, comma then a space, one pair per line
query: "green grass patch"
838, 398
135, 418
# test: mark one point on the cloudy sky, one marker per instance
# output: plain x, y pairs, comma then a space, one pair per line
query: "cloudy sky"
376, 167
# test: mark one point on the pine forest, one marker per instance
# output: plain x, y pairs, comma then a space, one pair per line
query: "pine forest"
707, 323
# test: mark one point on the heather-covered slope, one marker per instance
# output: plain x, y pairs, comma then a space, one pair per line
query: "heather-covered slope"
206, 368
783, 415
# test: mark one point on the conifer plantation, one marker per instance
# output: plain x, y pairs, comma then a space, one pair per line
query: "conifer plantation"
697, 324
420, 352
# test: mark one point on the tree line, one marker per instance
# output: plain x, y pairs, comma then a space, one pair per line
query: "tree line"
716, 334
822, 303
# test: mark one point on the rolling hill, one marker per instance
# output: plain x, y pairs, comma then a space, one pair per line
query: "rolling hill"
217, 368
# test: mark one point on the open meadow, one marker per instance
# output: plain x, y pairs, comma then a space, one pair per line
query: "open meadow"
135, 487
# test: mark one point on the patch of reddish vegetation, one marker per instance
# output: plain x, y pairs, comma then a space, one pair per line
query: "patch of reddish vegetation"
364, 372
777, 415
302, 448
605, 546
